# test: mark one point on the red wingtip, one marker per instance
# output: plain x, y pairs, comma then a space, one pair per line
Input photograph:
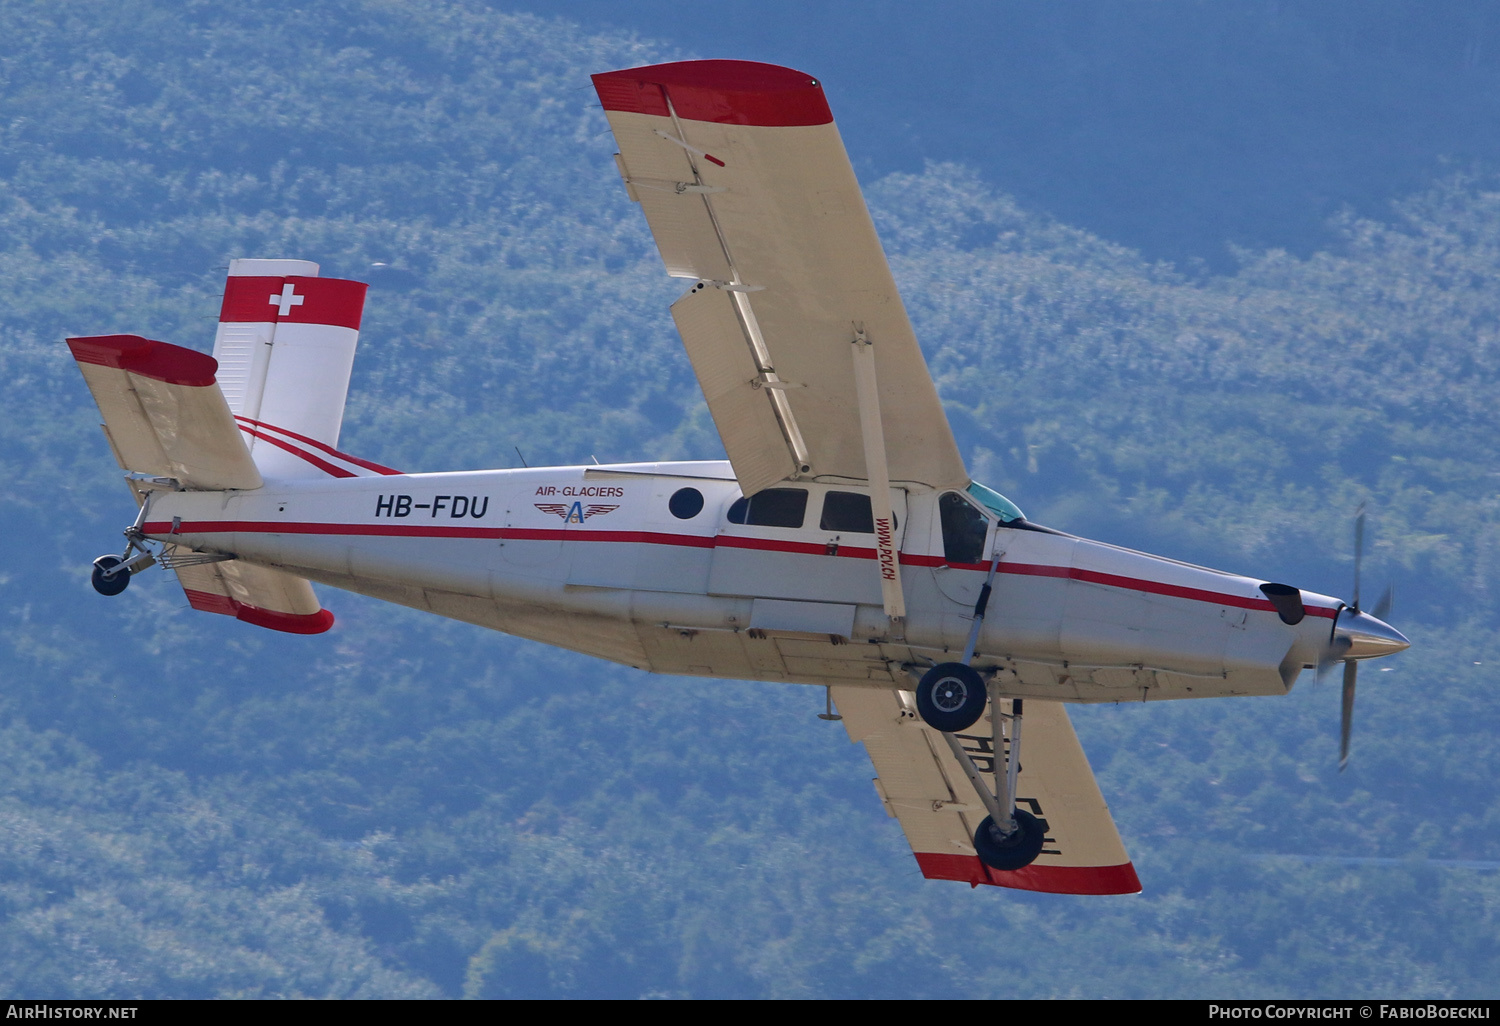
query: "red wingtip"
161, 361
727, 92
968, 869
287, 623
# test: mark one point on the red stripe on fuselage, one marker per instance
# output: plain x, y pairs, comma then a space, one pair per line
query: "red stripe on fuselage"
367, 464
321, 464
717, 541
1152, 587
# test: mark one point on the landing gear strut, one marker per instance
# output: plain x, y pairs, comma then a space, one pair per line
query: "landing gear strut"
111, 574
951, 697
1009, 838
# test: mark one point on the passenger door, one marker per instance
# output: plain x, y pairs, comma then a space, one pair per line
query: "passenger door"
810, 543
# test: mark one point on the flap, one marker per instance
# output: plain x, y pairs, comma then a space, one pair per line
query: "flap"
923, 787
745, 413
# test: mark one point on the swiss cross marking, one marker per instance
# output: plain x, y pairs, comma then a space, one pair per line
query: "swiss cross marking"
286, 300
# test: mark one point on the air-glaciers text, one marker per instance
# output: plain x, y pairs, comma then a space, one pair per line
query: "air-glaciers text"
584, 491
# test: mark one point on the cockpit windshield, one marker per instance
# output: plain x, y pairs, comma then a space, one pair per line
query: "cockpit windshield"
995, 503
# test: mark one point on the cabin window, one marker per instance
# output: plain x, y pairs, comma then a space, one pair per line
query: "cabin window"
686, 503
847, 511
850, 512
964, 529
774, 507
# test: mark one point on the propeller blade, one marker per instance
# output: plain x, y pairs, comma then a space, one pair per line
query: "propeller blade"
1359, 549
1346, 721
1383, 607
1333, 653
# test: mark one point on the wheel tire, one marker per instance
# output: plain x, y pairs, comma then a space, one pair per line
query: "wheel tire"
1018, 850
109, 585
951, 697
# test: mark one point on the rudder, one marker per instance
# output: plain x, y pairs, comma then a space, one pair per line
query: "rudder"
285, 347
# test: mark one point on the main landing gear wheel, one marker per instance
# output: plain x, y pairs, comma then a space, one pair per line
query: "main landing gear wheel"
1018, 850
106, 583
951, 697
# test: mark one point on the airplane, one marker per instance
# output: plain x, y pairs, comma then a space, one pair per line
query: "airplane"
842, 544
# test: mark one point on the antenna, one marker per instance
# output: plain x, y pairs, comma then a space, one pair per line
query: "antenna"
523, 458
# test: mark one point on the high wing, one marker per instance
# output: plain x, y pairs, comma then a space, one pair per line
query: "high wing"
921, 785
746, 186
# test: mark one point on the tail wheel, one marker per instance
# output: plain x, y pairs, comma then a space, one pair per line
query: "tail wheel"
106, 583
951, 697
1016, 851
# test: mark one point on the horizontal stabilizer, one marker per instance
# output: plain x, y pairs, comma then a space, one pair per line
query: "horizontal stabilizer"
255, 594
164, 414
921, 785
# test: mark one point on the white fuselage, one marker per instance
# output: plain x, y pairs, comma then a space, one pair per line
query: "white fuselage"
593, 559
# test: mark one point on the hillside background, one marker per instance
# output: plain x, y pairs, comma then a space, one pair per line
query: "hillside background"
1193, 277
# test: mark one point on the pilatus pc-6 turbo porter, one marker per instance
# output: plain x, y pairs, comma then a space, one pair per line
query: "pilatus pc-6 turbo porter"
842, 544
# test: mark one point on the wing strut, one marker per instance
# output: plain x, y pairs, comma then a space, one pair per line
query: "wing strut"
887, 559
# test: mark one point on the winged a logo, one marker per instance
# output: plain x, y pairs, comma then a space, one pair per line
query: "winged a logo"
577, 513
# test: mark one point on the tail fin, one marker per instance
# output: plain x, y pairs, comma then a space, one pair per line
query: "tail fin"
285, 348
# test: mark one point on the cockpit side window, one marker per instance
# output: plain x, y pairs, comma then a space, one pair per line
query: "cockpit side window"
774, 507
964, 529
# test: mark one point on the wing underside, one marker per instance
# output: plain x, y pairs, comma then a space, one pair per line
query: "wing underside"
921, 785
163, 412
746, 186
258, 595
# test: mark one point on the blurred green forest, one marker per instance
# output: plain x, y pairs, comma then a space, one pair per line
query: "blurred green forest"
408, 807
